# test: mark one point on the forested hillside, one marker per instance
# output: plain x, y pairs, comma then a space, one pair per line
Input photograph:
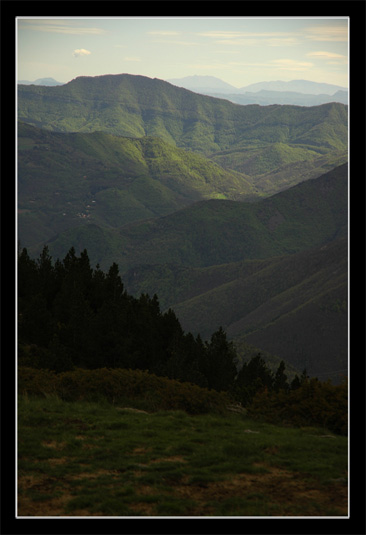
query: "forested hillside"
261, 141
74, 319
66, 180
235, 216
218, 231
136, 106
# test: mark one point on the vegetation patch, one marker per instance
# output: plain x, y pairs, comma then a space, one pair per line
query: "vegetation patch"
170, 463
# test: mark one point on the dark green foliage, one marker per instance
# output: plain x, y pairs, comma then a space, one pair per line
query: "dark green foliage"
219, 367
280, 378
312, 403
117, 386
252, 378
81, 336
72, 315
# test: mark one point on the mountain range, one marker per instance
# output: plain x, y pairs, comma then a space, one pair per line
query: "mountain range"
234, 215
41, 81
213, 83
294, 92
273, 273
277, 146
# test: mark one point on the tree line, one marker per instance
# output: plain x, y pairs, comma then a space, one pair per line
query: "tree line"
74, 316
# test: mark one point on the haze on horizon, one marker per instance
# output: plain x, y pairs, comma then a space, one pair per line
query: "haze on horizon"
239, 51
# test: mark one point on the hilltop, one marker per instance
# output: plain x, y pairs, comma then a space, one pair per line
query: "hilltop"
137, 106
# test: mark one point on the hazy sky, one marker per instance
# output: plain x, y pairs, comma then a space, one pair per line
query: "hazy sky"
238, 50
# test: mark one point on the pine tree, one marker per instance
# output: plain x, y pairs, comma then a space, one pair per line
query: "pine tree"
220, 369
252, 378
280, 379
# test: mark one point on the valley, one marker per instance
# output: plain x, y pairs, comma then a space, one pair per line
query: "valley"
236, 216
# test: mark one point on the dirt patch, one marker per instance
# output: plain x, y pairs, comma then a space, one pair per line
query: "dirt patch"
173, 459
53, 444
291, 494
287, 493
40, 485
51, 507
57, 460
131, 409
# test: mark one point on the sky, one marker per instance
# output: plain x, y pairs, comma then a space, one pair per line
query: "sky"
238, 50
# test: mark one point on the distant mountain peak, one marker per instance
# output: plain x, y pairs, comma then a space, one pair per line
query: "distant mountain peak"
41, 81
298, 86
203, 82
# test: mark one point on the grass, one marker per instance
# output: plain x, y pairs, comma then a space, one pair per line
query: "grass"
96, 459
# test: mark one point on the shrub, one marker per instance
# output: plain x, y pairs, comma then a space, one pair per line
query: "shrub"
118, 385
36, 382
314, 403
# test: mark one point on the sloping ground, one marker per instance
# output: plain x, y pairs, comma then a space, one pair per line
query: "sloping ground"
137, 106
89, 459
267, 142
294, 307
219, 231
65, 180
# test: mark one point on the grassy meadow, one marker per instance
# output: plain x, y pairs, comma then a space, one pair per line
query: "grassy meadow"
88, 458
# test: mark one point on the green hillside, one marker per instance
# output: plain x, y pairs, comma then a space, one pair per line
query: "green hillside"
255, 140
294, 306
153, 177
217, 231
274, 271
137, 106
68, 179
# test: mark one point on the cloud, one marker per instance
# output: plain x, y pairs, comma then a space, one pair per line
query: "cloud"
131, 58
291, 65
163, 32
221, 34
326, 55
174, 42
327, 33
59, 26
252, 38
81, 52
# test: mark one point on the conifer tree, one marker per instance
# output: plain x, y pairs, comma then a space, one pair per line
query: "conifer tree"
220, 361
280, 379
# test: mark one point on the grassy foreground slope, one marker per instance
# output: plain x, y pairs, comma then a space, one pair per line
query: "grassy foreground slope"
96, 459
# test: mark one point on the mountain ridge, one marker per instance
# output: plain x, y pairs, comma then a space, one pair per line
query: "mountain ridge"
273, 144
294, 92
220, 231
41, 81
107, 131
300, 86
138, 106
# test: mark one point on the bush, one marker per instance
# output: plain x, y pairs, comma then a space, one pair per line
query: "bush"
117, 385
314, 403
36, 382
